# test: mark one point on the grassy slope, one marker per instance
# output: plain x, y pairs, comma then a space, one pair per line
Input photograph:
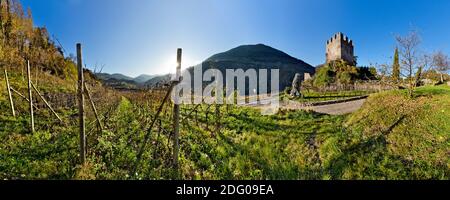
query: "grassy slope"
252, 146
49, 153
295, 145
393, 137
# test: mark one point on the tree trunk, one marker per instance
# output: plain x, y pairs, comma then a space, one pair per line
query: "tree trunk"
8, 24
1, 18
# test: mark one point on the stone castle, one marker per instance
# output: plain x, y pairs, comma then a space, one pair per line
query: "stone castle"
339, 47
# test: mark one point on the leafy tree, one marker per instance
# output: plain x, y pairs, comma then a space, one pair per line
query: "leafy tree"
20, 40
345, 77
345, 73
396, 67
336, 72
373, 71
367, 73
324, 76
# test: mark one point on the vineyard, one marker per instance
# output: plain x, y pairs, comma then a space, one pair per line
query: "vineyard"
59, 121
215, 141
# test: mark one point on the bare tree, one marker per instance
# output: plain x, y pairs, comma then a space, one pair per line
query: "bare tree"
425, 61
383, 71
410, 59
441, 63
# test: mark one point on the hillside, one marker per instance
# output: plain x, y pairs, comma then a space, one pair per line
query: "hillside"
106, 76
258, 53
143, 78
122, 82
157, 81
259, 56
394, 137
21, 40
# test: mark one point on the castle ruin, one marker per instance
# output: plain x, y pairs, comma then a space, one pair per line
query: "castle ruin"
339, 47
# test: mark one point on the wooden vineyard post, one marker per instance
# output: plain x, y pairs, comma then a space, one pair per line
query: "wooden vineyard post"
30, 96
217, 131
82, 124
176, 114
147, 136
196, 117
99, 123
8, 87
23, 96
46, 103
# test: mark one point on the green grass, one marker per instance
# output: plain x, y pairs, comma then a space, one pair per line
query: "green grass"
408, 138
252, 146
391, 137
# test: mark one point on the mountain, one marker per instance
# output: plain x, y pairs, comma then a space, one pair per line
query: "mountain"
143, 78
140, 79
120, 81
158, 81
255, 53
259, 56
105, 76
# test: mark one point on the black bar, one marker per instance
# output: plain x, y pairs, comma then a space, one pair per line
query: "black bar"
233, 189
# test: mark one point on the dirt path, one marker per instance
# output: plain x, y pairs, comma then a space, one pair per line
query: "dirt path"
331, 109
339, 108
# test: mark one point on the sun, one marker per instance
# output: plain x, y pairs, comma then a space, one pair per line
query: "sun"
170, 63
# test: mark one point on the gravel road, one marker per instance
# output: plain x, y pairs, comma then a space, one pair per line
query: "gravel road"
331, 109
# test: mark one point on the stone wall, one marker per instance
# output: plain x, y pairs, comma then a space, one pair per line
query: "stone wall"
371, 86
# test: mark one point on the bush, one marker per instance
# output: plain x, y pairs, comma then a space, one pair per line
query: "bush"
324, 76
336, 72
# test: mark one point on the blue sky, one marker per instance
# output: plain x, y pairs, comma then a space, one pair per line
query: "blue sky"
136, 37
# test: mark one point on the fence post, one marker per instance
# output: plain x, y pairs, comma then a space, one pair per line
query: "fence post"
46, 103
176, 114
147, 136
99, 123
9, 94
217, 131
82, 125
30, 96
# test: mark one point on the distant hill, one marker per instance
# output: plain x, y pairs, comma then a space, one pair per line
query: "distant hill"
143, 78
157, 81
105, 76
259, 56
259, 53
120, 81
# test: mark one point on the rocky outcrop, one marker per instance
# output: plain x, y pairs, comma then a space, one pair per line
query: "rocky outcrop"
296, 86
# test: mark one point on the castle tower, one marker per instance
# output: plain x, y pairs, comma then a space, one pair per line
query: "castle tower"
339, 47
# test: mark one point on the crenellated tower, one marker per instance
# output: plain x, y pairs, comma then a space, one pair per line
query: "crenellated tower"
339, 47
